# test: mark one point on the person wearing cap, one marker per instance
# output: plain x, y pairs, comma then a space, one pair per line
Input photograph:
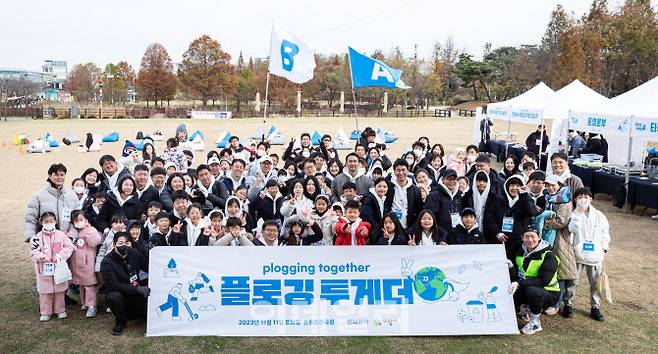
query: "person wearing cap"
446, 202
534, 279
403, 197
111, 173
215, 168
260, 175
537, 138
560, 168
511, 213
467, 231
591, 241
482, 199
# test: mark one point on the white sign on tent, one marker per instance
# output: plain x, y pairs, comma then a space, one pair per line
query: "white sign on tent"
646, 127
599, 123
534, 116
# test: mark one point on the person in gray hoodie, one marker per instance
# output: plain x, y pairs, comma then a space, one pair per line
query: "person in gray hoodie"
351, 173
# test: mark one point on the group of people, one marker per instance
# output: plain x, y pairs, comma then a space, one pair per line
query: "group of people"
104, 223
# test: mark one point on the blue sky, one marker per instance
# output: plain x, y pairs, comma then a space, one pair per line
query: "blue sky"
102, 32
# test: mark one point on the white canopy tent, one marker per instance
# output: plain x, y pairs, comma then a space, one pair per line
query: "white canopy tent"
535, 108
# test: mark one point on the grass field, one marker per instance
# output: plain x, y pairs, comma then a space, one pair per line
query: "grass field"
631, 324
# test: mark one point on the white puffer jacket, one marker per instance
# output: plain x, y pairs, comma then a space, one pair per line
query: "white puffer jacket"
61, 202
591, 236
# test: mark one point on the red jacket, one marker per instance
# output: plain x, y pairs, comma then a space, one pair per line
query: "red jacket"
344, 238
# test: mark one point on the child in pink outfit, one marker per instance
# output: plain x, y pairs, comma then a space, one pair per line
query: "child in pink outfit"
457, 162
49, 247
85, 238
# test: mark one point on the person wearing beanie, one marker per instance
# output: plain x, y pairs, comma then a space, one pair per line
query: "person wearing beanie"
533, 271
130, 157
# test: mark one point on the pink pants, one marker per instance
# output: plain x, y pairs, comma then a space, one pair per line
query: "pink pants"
88, 295
50, 303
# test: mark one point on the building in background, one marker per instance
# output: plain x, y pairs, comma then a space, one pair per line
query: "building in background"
53, 76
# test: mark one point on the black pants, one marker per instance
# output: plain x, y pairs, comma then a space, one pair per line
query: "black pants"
125, 307
538, 299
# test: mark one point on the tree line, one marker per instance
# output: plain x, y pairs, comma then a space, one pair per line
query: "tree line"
611, 50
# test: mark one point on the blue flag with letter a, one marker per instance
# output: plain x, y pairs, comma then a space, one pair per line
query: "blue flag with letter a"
367, 72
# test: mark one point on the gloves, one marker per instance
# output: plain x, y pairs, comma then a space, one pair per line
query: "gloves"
513, 287
509, 264
143, 290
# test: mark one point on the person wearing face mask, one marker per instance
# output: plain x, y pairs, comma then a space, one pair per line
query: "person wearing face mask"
591, 241
471, 155
53, 198
85, 238
125, 292
78, 187
513, 212
50, 246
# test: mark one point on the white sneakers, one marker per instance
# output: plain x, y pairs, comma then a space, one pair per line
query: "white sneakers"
62, 315
655, 217
533, 326
44, 318
91, 312
551, 311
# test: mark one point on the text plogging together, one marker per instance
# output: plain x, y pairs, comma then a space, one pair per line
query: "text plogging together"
311, 269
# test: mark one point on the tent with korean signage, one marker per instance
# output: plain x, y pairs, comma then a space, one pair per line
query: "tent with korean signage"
539, 105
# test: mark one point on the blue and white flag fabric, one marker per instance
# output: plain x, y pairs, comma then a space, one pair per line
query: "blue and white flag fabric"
367, 72
290, 57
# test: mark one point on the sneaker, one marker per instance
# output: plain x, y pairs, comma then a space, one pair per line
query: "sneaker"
117, 330
551, 311
91, 312
655, 217
567, 311
84, 307
531, 328
62, 315
596, 314
44, 318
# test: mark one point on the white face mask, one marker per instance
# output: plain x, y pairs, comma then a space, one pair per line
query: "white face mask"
583, 203
79, 225
49, 227
79, 189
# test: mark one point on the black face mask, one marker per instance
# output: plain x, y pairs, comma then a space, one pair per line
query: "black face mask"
122, 250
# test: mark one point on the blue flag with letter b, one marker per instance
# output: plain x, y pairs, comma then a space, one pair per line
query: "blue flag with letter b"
367, 72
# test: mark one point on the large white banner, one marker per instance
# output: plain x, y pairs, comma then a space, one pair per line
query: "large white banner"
329, 291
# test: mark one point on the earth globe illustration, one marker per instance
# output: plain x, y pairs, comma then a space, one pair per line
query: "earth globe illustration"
429, 283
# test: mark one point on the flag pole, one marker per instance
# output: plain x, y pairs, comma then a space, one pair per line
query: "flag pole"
267, 82
349, 60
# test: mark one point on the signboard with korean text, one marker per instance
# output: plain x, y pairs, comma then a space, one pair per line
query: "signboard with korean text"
329, 291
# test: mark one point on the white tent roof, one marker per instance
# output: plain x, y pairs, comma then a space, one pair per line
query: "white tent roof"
575, 96
640, 101
536, 94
